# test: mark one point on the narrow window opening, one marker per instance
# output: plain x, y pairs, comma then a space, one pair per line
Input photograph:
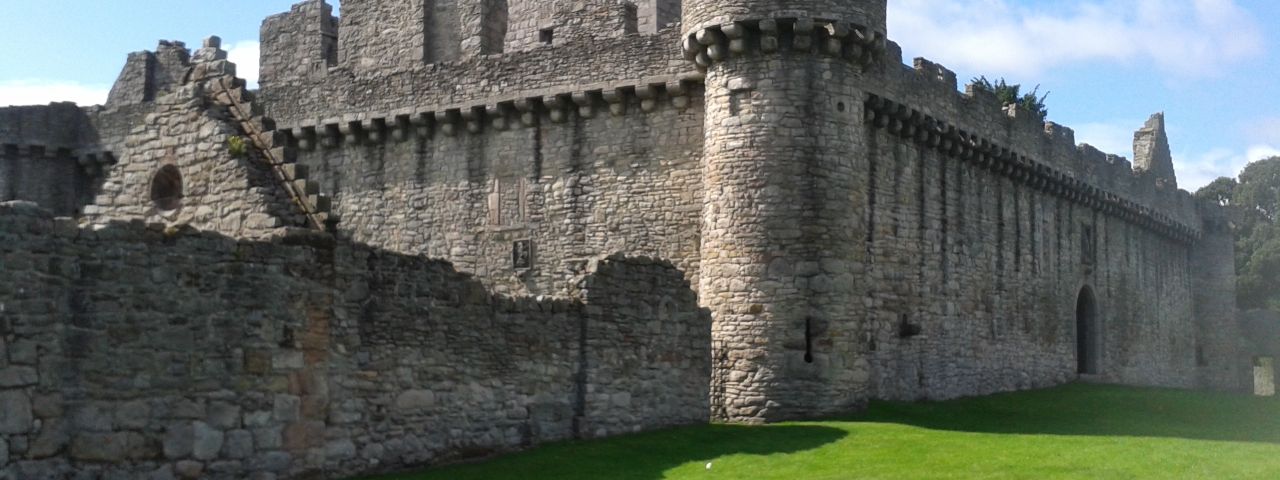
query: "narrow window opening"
547, 36
906, 329
739, 99
1201, 359
808, 340
166, 188
1088, 245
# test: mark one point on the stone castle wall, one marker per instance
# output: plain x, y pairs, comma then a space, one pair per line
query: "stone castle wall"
978, 246
129, 349
857, 228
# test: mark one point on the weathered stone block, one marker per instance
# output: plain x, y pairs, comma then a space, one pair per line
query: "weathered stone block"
287, 408
257, 362
223, 415
206, 441
23, 352
341, 449
51, 440
17, 417
100, 447
268, 437
239, 444
47, 406
133, 415
18, 377
188, 469
179, 440
271, 461
415, 400
94, 417
303, 435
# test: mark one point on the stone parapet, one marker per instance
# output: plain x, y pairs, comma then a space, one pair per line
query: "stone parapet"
914, 125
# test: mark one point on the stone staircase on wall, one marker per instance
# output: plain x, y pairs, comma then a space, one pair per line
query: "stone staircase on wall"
271, 145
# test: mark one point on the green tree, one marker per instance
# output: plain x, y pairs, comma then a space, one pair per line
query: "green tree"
1012, 94
1219, 192
1254, 207
1257, 286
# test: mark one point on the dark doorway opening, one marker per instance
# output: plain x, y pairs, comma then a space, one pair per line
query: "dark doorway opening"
1087, 335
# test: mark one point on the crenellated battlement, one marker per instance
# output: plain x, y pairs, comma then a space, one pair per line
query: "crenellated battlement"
923, 129
980, 115
376, 37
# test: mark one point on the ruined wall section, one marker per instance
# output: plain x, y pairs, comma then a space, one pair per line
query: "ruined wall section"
299, 45
380, 36
178, 169
655, 15
644, 332
592, 19
134, 350
41, 153
149, 74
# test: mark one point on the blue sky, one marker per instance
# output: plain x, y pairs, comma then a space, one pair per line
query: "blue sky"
1213, 66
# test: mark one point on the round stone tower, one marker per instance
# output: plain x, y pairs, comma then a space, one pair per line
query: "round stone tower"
785, 165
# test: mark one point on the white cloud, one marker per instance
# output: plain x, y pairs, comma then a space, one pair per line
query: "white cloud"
1185, 37
245, 55
1114, 136
1198, 170
43, 92
1264, 130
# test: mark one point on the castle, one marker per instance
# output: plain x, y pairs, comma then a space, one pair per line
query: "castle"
446, 228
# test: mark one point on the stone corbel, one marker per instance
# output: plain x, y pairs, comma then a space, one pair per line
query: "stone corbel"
528, 110
403, 127
422, 124
448, 121
557, 107
497, 115
474, 118
803, 39
648, 96
332, 135
769, 35
617, 100
586, 104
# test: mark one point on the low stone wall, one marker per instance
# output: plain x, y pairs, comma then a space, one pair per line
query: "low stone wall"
136, 351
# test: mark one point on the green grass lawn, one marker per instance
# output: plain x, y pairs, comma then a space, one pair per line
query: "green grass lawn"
1076, 431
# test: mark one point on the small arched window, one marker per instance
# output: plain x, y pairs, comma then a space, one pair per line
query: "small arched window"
166, 188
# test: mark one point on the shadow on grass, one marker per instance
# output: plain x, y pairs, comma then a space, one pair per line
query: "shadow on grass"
644, 456
1096, 410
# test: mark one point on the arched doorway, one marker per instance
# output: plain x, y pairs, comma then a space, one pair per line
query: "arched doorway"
1087, 334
